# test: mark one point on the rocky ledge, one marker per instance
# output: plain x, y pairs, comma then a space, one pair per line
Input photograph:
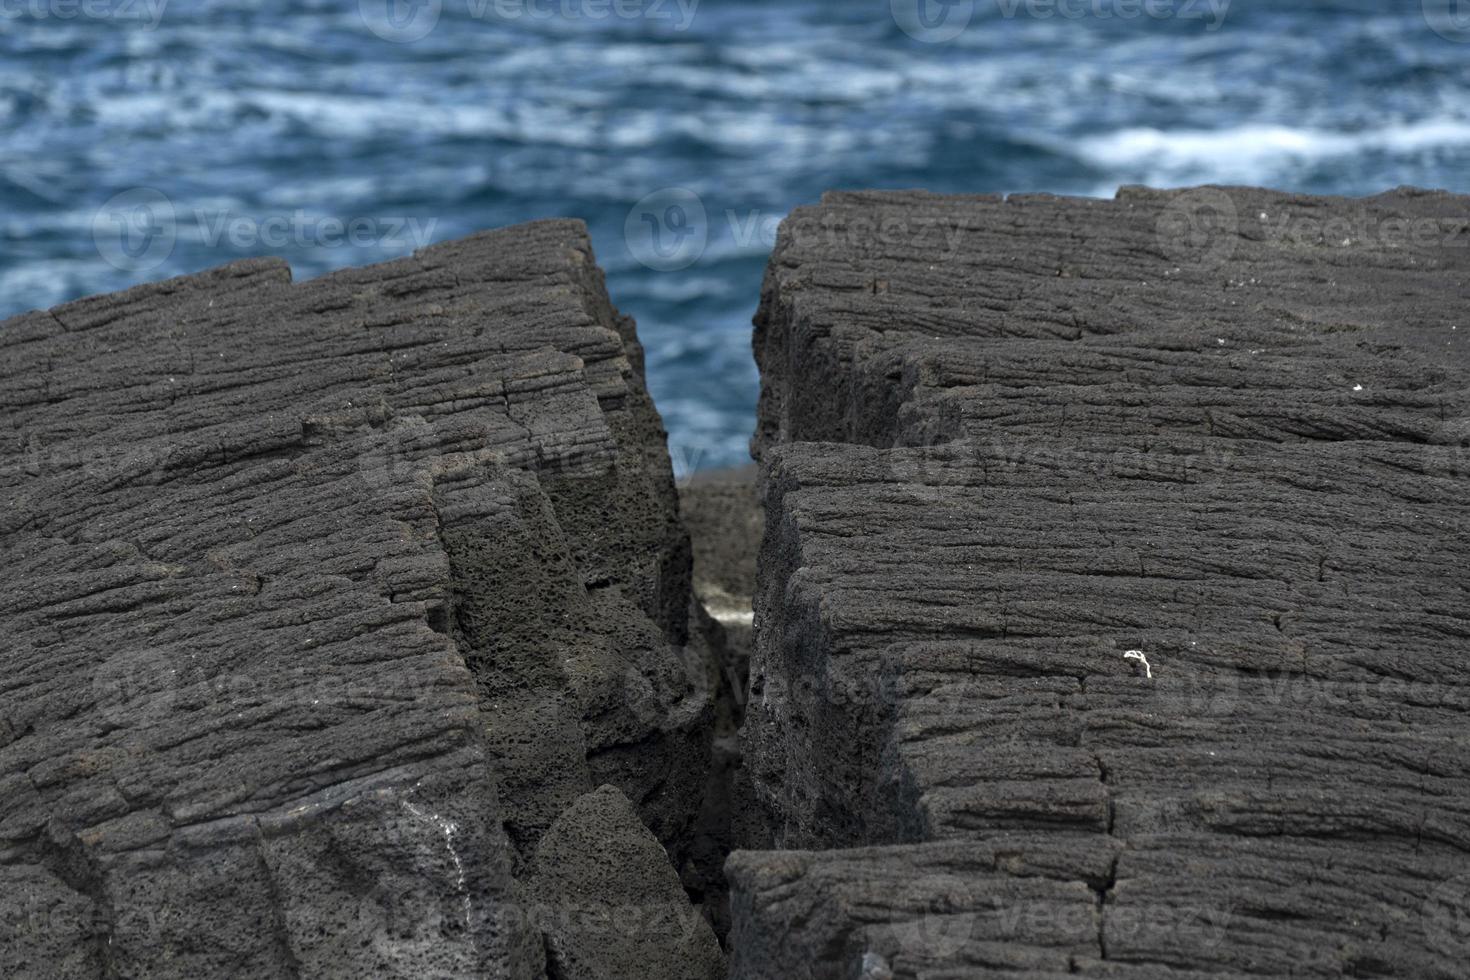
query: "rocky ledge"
1111, 618
1109, 615
329, 608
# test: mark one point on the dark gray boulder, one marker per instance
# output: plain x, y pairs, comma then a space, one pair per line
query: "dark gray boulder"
322, 602
1019, 902
610, 904
1132, 528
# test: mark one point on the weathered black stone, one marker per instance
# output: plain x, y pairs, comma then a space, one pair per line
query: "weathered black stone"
1109, 617
323, 602
606, 886
1013, 446
723, 515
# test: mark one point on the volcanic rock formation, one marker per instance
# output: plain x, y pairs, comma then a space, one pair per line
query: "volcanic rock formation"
1111, 618
324, 602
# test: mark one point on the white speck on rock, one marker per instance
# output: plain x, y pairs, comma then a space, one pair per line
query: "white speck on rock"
1138, 655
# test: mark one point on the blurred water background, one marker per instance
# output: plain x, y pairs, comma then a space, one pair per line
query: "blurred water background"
334, 133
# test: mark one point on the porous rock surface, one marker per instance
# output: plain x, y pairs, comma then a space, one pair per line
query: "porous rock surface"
322, 602
606, 885
722, 511
1111, 618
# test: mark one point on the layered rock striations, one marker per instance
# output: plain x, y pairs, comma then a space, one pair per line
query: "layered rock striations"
324, 602
1109, 616
1111, 611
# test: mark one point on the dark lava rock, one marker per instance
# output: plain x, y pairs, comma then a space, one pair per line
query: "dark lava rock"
724, 518
721, 509
1112, 607
1019, 902
323, 601
611, 905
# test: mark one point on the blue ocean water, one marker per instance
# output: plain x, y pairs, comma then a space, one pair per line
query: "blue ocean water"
147, 138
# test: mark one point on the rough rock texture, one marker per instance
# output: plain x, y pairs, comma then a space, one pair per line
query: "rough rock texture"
322, 602
612, 906
722, 510
724, 517
1112, 610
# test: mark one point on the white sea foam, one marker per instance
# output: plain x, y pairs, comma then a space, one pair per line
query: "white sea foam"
1257, 147
756, 108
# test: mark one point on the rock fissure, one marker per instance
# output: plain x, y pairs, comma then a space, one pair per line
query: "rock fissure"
429, 633
499, 714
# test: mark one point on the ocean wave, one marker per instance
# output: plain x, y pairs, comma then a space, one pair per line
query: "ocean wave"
264, 106
1257, 145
